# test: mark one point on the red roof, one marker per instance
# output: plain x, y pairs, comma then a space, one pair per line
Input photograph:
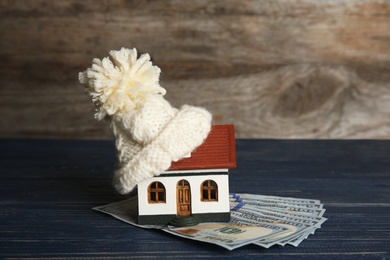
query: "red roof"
217, 151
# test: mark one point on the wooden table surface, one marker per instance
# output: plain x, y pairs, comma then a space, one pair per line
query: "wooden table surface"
48, 188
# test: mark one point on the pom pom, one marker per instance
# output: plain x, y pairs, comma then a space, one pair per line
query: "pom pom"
119, 84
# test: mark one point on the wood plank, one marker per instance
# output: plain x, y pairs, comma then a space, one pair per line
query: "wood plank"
50, 186
283, 69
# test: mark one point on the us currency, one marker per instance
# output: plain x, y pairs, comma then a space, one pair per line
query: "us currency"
311, 221
283, 215
281, 203
126, 211
297, 233
258, 219
305, 209
268, 208
270, 240
274, 198
237, 233
232, 235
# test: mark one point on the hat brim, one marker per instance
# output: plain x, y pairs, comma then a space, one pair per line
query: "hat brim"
184, 133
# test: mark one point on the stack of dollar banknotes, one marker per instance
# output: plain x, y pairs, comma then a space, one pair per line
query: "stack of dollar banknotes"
255, 219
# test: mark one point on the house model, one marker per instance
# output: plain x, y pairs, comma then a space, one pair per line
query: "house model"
194, 189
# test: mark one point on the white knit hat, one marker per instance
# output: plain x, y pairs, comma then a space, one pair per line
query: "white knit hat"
148, 131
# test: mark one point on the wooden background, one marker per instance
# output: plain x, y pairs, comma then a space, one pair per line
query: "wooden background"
275, 69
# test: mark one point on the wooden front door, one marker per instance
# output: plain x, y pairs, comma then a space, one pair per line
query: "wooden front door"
183, 197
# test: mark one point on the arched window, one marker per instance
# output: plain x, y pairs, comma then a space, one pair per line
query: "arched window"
209, 191
156, 192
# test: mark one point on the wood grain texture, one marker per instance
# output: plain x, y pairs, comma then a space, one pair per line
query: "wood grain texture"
49, 187
275, 69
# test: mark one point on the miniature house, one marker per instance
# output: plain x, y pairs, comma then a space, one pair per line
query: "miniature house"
194, 189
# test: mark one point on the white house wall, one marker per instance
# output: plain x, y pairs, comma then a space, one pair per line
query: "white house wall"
197, 206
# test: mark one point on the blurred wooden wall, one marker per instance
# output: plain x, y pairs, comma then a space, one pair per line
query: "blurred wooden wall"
274, 68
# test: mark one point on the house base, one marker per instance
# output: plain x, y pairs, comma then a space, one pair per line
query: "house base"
185, 221
173, 219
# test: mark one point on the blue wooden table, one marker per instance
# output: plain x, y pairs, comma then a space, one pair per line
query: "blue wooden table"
48, 188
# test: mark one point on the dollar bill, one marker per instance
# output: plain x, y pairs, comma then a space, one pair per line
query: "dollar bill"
260, 207
227, 235
302, 226
255, 219
305, 209
126, 211
275, 198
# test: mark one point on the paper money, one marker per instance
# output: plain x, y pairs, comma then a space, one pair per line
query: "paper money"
309, 209
305, 214
255, 219
227, 235
126, 211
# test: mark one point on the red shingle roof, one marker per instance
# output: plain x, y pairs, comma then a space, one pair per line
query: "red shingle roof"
217, 151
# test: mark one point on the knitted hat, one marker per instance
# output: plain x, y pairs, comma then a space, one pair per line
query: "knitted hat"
149, 133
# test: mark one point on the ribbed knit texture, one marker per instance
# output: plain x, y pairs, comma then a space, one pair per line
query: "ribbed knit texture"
182, 134
149, 133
